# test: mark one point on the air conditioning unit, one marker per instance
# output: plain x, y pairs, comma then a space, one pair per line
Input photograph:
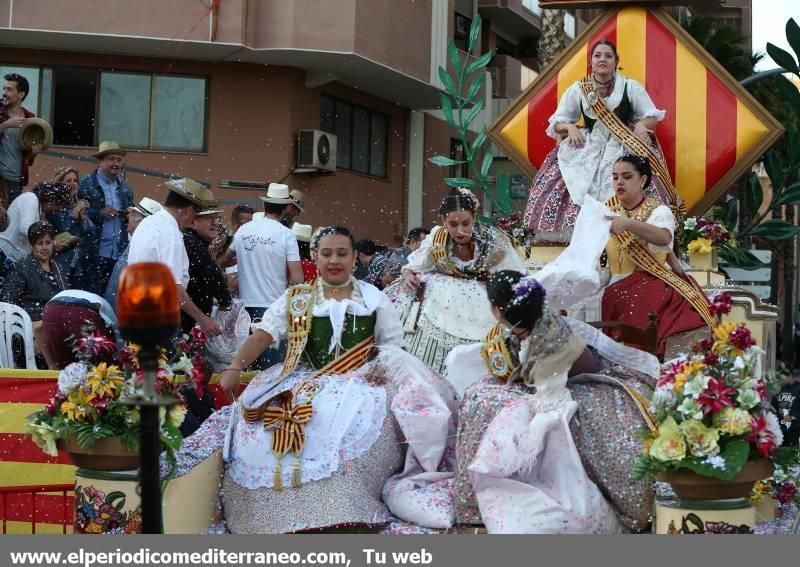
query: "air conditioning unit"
316, 151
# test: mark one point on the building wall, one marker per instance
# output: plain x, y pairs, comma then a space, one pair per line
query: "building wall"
254, 112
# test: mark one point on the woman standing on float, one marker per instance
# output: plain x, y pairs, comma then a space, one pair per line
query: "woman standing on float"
443, 300
581, 164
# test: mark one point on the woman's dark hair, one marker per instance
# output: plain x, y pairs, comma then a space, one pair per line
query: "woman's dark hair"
238, 211
38, 230
330, 231
608, 43
366, 247
640, 164
458, 200
521, 303
53, 193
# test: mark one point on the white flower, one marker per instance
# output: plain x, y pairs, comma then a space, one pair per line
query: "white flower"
774, 427
716, 461
690, 409
184, 364
690, 223
72, 377
748, 398
176, 415
779, 476
738, 363
694, 387
662, 398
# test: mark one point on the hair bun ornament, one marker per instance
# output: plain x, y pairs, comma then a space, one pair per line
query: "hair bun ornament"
524, 287
469, 195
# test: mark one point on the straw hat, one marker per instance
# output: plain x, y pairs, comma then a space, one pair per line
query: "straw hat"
302, 232
36, 132
107, 148
278, 194
193, 191
207, 212
146, 207
298, 199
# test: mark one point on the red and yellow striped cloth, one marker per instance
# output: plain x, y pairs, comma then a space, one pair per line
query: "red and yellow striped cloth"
22, 463
707, 128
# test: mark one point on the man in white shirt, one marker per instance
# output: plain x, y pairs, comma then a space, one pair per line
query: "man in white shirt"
264, 251
159, 238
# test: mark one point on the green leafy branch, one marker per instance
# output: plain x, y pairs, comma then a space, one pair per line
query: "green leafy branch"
461, 105
782, 172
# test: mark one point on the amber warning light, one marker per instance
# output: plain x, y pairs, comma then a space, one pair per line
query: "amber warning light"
148, 310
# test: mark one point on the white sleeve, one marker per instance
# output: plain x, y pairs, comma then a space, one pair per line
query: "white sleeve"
175, 257
232, 247
292, 249
662, 217
274, 319
30, 212
643, 106
569, 110
388, 330
511, 260
420, 260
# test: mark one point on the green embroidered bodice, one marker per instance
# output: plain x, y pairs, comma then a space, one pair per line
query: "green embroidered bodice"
319, 339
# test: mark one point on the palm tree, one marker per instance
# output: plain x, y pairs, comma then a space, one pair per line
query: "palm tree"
554, 39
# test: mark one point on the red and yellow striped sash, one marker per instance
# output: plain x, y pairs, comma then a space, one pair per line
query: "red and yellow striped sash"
496, 355
629, 140
645, 260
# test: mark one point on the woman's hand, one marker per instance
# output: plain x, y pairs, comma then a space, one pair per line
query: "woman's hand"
575, 136
619, 224
642, 132
80, 208
231, 379
410, 281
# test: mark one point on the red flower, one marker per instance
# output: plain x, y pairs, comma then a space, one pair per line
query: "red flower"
199, 379
199, 335
761, 436
101, 404
785, 493
52, 406
716, 396
710, 359
741, 338
721, 304
183, 345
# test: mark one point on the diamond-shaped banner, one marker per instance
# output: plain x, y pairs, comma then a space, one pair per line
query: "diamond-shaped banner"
714, 129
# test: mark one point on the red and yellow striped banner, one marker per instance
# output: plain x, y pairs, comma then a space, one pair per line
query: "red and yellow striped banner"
22, 463
713, 129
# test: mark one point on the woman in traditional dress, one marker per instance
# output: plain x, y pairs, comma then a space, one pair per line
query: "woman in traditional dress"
547, 440
313, 442
581, 164
442, 297
639, 249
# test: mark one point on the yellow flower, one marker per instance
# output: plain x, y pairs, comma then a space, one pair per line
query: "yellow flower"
72, 407
702, 440
732, 421
721, 333
105, 380
700, 246
670, 444
176, 415
680, 380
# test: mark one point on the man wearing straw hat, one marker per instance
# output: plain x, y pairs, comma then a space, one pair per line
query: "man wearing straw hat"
14, 159
159, 238
295, 208
265, 250
109, 198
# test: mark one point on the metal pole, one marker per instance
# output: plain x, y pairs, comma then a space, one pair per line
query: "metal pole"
150, 445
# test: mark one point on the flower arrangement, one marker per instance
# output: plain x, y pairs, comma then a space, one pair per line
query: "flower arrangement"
701, 234
784, 484
88, 401
514, 226
711, 407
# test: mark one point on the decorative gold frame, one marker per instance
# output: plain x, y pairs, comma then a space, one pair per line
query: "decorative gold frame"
742, 165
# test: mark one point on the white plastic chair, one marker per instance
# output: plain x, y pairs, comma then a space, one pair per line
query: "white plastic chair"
15, 321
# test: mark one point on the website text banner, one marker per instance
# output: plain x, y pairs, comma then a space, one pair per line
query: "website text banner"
397, 551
